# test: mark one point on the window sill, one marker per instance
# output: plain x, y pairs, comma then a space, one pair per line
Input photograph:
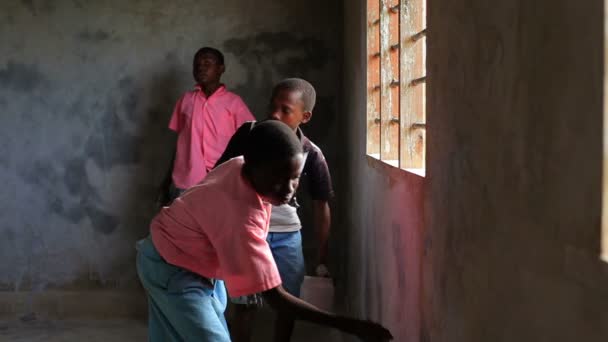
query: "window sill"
392, 165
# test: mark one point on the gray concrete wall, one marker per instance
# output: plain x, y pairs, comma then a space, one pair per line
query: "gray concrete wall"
514, 174
86, 91
512, 195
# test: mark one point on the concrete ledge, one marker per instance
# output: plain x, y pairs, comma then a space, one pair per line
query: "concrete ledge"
99, 304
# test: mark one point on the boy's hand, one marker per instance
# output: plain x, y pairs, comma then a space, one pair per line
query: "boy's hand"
370, 331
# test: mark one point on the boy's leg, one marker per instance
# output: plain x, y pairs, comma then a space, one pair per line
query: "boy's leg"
159, 327
287, 252
183, 305
241, 327
245, 308
195, 308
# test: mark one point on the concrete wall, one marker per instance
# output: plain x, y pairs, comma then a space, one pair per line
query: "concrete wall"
512, 195
86, 90
514, 173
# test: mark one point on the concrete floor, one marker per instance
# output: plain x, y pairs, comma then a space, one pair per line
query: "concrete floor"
124, 330
72, 331
83, 317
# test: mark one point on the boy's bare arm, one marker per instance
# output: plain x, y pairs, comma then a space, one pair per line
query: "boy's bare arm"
162, 198
322, 220
287, 304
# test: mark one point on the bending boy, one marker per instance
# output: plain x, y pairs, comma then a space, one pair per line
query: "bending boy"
214, 234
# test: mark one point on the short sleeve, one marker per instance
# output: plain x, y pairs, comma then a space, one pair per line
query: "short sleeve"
241, 113
177, 121
319, 179
245, 259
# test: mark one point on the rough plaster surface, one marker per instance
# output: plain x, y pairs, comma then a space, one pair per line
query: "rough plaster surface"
515, 146
123, 330
86, 91
74, 331
512, 196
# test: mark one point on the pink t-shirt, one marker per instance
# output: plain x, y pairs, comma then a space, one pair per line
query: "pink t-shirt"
204, 126
218, 229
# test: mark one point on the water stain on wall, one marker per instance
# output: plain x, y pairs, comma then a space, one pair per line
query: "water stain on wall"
82, 199
131, 92
98, 142
102, 221
268, 56
21, 77
291, 51
37, 7
91, 36
271, 56
112, 146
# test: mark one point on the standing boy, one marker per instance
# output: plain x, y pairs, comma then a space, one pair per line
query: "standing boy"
292, 103
204, 120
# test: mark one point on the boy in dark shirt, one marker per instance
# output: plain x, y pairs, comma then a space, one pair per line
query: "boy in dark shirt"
292, 103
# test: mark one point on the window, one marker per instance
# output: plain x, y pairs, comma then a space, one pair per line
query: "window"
396, 82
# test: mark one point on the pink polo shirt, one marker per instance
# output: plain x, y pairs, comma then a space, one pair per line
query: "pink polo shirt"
204, 126
218, 229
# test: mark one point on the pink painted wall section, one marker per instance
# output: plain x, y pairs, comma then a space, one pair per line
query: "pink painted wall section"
391, 227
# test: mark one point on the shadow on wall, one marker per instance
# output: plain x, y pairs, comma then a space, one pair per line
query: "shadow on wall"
269, 57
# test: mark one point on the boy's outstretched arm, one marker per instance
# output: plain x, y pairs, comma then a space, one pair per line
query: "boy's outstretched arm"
287, 304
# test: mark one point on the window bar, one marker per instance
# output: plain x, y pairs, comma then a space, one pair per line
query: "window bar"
419, 35
417, 81
418, 126
397, 47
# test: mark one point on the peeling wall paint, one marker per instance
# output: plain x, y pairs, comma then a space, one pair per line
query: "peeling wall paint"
86, 91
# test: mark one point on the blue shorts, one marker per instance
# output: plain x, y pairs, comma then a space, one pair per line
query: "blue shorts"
287, 252
182, 306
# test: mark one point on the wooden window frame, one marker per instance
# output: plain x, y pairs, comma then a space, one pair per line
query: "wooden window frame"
604, 242
396, 82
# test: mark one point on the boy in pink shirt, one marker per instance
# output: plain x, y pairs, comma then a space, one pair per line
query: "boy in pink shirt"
204, 120
215, 233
